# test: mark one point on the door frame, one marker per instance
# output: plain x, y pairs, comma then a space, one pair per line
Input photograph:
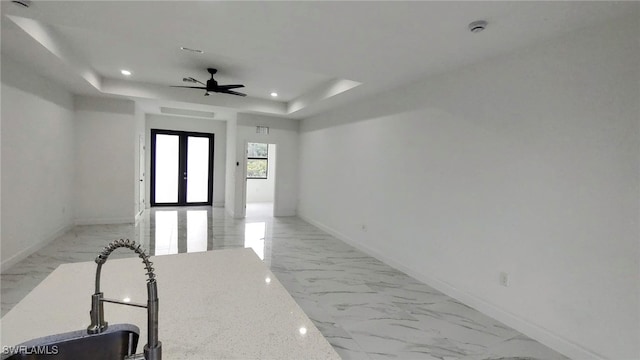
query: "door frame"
243, 202
142, 186
182, 167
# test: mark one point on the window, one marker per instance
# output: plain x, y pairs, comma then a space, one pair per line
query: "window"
257, 162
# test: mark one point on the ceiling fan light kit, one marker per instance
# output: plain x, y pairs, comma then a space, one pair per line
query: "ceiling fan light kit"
212, 85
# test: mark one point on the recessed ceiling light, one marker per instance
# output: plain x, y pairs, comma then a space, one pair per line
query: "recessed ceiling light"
274, 94
125, 72
192, 50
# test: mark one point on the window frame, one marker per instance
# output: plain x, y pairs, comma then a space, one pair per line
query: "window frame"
266, 160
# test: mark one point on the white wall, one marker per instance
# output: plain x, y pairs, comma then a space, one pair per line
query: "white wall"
105, 160
263, 190
216, 127
37, 161
231, 167
528, 163
284, 134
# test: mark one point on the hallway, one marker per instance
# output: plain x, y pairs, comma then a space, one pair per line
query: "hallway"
365, 309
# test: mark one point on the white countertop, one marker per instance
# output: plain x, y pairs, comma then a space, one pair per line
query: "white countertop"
222, 304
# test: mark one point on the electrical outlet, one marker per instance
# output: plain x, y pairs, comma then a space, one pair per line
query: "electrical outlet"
504, 279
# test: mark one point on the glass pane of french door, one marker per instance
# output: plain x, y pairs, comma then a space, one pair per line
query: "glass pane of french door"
181, 168
167, 168
197, 169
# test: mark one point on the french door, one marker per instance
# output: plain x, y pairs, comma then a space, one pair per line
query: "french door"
181, 168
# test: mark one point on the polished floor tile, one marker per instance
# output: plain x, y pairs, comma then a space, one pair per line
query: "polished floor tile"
365, 309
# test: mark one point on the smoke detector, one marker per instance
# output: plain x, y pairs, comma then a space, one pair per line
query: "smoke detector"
22, 3
477, 26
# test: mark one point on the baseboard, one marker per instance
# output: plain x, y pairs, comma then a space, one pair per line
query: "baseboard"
24, 253
104, 221
218, 204
534, 331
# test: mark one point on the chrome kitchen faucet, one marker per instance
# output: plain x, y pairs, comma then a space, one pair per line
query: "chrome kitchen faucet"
153, 349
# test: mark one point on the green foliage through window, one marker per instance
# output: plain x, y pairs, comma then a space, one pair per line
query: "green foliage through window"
256, 168
256, 150
257, 162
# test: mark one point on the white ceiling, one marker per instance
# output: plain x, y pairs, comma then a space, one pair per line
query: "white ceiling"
303, 50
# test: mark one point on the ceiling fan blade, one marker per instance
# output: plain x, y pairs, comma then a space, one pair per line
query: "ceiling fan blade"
190, 87
196, 80
229, 87
231, 92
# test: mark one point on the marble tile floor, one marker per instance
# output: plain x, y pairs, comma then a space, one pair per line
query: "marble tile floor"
260, 209
365, 309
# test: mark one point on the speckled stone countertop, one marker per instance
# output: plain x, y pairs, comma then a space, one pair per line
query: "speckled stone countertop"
221, 304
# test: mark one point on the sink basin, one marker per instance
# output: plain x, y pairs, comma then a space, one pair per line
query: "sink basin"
116, 342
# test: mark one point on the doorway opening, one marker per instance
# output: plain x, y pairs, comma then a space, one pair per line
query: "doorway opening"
260, 180
181, 168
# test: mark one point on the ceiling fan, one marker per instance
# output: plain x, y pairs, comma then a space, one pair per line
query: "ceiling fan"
212, 85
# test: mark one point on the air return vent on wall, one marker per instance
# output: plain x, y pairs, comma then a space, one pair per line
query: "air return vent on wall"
187, 112
262, 130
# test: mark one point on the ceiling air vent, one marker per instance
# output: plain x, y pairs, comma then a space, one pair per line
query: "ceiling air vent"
187, 112
477, 26
22, 3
